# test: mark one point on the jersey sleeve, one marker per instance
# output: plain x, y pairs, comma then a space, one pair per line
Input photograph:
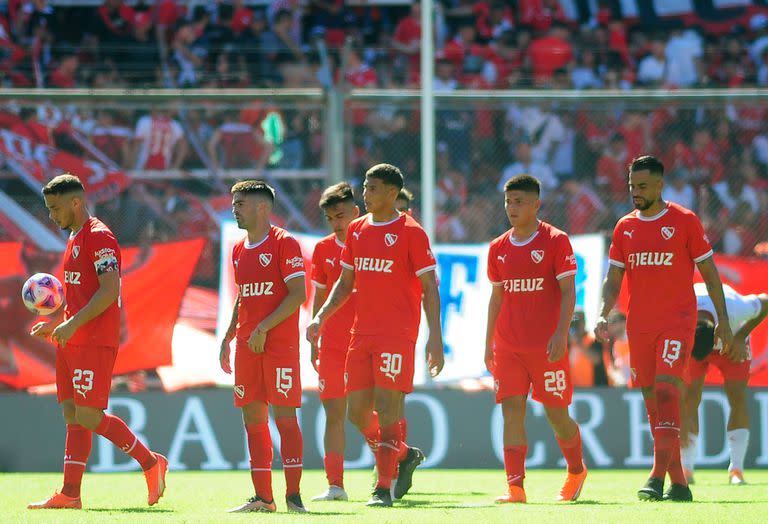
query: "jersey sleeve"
699, 248
615, 252
291, 259
565, 260
143, 127
319, 276
493, 269
104, 252
347, 257
419, 252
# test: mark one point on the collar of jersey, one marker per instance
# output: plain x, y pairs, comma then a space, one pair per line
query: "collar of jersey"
371, 222
248, 245
528, 240
338, 242
654, 217
73, 235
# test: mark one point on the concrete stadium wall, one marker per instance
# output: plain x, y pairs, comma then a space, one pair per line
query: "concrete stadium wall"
200, 429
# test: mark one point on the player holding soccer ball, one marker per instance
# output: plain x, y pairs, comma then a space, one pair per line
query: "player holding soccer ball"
269, 273
88, 336
387, 260
532, 269
657, 245
745, 312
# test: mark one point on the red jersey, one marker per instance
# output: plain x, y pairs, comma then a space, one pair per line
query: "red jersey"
387, 258
529, 272
91, 252
159, 136
326, 269
658, 254
261, 271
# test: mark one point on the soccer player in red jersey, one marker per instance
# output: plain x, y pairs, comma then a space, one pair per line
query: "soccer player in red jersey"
387, 260
745, 313
269, 273
88, 336
657, 245
330, 354
532, 269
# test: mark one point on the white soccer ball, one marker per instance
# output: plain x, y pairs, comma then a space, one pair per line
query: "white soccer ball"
42, 293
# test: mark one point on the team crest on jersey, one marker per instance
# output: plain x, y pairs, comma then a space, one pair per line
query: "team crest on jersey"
390, 239
75, 251
537, 255
265, 259
239, 391
321, 385
667, 232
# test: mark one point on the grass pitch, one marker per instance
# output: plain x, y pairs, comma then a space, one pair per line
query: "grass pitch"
439, 496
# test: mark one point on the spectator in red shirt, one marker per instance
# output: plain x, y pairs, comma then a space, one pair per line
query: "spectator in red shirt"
406, 40
584, 210
493, 20
540, 14
242, 16
505, 59
64, 75
464, 44
550, 53
611, 175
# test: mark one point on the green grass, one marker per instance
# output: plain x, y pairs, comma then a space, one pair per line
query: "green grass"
441, 496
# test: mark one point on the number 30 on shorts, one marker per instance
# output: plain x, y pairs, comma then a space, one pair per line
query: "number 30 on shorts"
391, 364
554, 382
671, 351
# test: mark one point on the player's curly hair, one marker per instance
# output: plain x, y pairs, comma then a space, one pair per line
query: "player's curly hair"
388, 174
525, 183
65, 183
704, 339
254, 187
336, 194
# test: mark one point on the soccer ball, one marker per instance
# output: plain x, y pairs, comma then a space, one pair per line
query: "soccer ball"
42, 293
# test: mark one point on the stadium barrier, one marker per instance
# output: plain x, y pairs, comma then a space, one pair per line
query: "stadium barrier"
202, 430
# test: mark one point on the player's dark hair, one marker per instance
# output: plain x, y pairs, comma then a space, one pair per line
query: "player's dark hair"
525, 183
651, 163
254, 187
406, 195
387, 173
704, 339
336, 194
66, 183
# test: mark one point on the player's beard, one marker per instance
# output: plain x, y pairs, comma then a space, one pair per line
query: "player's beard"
643, 204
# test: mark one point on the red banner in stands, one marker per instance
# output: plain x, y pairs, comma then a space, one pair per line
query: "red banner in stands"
747, 276
35, 160
153, 283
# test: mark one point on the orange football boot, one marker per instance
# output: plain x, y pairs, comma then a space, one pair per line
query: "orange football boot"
573, 484
57, 501
516, 494
156, 479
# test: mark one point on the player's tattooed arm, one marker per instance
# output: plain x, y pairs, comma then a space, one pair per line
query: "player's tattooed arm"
341, 291
431, 301
723, 332
611, 288
105, 296
494, 307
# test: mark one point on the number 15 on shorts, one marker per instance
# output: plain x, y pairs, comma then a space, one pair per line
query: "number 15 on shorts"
283, 380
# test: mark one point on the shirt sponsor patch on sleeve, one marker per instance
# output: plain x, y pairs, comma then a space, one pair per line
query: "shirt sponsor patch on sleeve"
295, 262
106, 261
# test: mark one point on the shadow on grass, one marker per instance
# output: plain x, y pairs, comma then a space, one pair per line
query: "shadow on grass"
447, 494
131, 510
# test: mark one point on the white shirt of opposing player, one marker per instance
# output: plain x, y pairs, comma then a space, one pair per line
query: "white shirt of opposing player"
741, 308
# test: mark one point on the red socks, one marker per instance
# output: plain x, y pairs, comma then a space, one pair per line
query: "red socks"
334, 469
404, 429
260, 450
372, 433
76, 452
291, 449
514, 464
666, 441
387, 454
572, 452
116, 431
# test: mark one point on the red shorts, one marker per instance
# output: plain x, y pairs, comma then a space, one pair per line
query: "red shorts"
84, 373
656, 354
516, 373
729, 369
272, 377
382, 362
331, 372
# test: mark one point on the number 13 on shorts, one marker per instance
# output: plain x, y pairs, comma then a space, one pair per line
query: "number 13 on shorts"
671, 351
